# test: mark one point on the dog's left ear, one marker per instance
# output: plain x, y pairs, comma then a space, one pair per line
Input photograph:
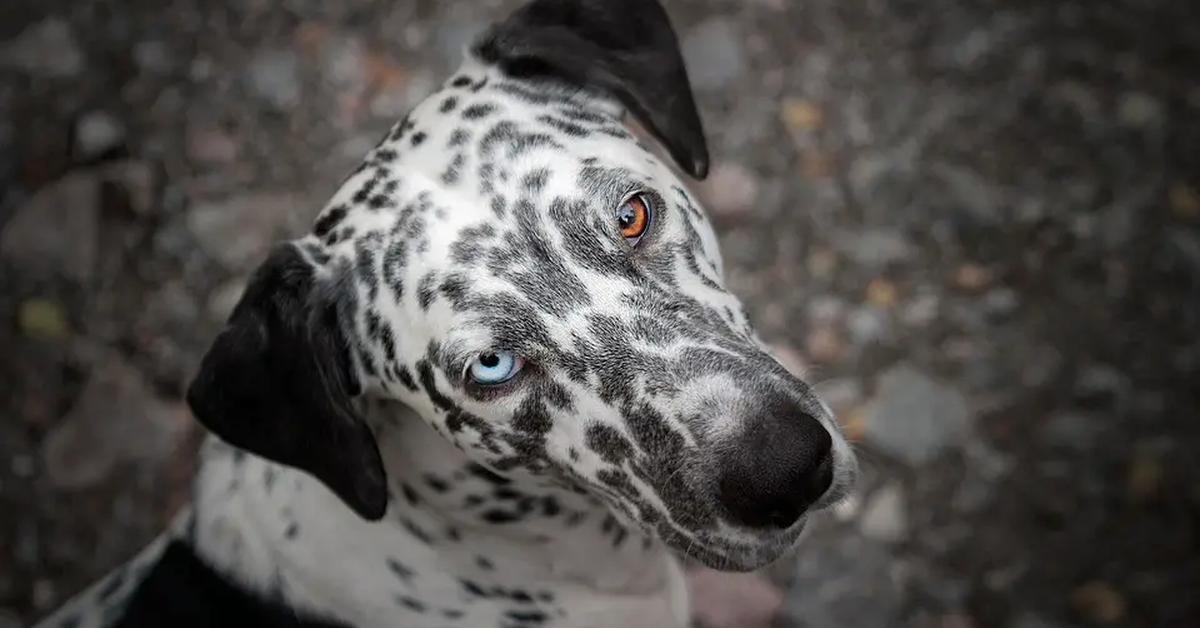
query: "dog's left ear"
625, 47
279, 382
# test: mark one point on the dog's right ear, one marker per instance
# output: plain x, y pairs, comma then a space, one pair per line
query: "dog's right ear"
624, 47
279, 381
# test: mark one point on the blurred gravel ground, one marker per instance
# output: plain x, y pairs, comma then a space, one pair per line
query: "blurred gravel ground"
976, 223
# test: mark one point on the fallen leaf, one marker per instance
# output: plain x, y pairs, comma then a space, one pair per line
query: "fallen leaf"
43, 319
802, 115
881, 293
1099, 603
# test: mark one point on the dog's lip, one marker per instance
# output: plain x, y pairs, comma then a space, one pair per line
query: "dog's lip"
745, 554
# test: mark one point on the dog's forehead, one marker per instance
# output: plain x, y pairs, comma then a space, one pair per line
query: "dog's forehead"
485, 141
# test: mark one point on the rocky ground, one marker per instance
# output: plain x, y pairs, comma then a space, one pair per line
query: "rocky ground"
976, 223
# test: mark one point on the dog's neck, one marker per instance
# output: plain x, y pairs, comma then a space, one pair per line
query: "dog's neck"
451, 529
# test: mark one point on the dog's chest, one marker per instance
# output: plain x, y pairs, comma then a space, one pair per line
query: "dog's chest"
284, 537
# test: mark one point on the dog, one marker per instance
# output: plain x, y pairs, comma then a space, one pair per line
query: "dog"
502, 382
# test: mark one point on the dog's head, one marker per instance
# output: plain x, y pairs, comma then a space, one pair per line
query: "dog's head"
512, 263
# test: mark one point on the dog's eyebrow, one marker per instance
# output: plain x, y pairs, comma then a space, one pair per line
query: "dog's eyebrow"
609, 185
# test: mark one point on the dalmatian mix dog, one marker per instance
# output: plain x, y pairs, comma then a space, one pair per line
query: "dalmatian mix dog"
502, 383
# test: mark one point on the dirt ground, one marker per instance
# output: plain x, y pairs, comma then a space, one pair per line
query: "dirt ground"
975, 222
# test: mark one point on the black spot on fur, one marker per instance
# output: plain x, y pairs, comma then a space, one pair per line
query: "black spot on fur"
499, 516
425, 291
411, 604
436, 483
417, 138
399, 569
608, 443
478, 111
406, 378
460, 81
498, 206
528, 617
458, 138
474, 589
563, 126
329, 220
486, 475
448, 104
535, 181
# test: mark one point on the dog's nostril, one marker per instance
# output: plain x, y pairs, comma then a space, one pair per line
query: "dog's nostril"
782, 519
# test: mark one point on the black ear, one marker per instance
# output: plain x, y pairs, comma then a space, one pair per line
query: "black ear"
626, 47
278, 383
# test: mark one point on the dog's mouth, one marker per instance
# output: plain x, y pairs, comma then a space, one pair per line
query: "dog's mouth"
727, 547
728, 554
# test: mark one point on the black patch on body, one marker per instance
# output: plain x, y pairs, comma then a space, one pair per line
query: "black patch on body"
181, 591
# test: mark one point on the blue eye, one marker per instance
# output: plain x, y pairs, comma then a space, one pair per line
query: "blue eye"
494, 367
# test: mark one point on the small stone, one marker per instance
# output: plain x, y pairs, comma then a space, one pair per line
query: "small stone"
1099, 602
921, 310
138, 180
43, 319
43, 593
881, 293
822, 263
802, 115
1000, 301
210, 144
274, 77
824, 344
713, 54
874, 248
1184, 201
730, 190
344, 65
867, 325
116, 418
152, 56
972, 277
53, 235
47, 49
96, 133
885, 517
22, 466
238, 232
1071, 430
1100, 380
825, 309
915, 417
732, 600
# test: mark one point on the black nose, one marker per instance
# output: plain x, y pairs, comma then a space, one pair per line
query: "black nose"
776, 470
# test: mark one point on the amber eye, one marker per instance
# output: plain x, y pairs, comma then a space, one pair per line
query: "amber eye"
633, 217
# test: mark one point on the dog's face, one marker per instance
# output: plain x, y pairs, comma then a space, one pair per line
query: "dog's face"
517, 267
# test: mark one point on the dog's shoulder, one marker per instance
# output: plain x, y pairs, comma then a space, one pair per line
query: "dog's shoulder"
183, 592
